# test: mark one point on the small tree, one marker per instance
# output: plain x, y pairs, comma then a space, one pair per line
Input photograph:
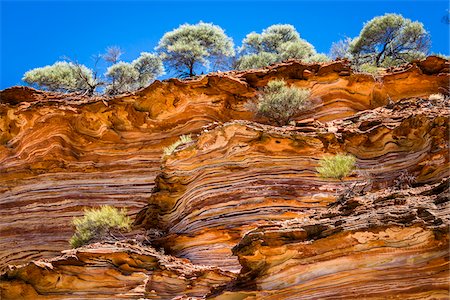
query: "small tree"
124, 78
188, 46
281, 103
113, 54
97, 224
390, 39
62, 76
149, 66
270, 40
337, 166
276, 43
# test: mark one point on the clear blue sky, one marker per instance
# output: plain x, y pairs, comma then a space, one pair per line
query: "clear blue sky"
37, 33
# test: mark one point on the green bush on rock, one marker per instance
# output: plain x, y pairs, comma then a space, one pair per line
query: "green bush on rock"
280, 103
97, 224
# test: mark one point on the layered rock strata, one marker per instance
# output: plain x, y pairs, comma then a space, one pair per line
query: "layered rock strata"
60, 153
242, 174
111, 271
383, 245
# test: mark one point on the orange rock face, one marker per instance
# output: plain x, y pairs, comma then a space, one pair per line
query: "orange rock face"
375, 246
237, 183
241, 174
120, 271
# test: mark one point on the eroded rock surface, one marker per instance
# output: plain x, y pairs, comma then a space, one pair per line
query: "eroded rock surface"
241, 174
238, 183
111, 271
376, 246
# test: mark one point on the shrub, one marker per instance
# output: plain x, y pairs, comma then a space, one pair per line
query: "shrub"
367, 68
184, 139
281, 103
337, 166
259, 60
97, 223
317, 58
62, 76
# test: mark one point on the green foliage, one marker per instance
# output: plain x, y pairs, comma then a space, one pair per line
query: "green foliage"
270, 40
123, 77
390, 39
184, 139
276, 43
97, 223
337, 166
149, 66
368, 68
62, 76
190, 45
259, 60
317, 58
281, 103
128, 77
300, 49
447, 57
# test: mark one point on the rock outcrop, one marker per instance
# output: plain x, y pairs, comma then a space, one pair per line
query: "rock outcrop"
241, 174
111, 271
388, 244
242, 197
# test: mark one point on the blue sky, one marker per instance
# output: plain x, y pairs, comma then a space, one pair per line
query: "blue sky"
38, 33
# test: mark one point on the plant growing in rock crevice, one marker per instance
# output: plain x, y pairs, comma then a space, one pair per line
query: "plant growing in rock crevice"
338, 166
281, 103
98, 223
184, 139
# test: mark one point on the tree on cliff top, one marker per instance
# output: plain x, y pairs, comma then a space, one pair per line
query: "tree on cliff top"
275, 43
126, 77
62, 76
188, 46
389, 40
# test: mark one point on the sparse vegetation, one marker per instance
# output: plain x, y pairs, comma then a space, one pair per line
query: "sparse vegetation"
127, 77
184, 139
276, 43
384, 41
62, 76
368, 68
280, 103
337, 166
97, 224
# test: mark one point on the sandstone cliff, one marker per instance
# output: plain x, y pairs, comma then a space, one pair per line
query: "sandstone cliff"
243, 198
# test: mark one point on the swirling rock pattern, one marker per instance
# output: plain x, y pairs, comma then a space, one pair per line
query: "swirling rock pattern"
60, 153
241, 174
382, 245
111, 271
